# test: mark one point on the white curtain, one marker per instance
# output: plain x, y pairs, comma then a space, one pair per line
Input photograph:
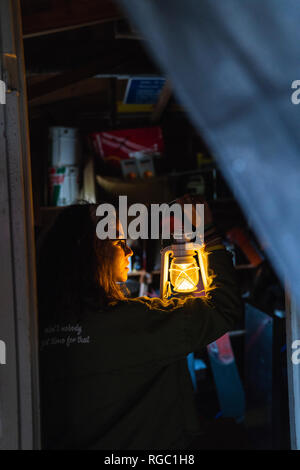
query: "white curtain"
232, 63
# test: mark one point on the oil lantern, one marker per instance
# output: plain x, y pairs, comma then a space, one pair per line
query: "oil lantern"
182, 270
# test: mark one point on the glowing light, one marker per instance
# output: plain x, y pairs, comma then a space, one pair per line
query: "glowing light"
185, 285
184, 274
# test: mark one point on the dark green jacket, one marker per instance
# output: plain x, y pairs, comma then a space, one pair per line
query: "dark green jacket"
118, 379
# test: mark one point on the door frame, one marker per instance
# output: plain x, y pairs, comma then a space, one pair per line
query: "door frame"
19, 390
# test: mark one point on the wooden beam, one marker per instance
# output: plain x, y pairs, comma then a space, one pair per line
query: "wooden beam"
61, 81
84, 87
65, 14
162, 102
109, 63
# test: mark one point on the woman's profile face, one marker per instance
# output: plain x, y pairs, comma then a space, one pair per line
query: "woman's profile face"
121, 253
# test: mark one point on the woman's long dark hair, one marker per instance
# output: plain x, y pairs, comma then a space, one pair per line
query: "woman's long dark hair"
74, 266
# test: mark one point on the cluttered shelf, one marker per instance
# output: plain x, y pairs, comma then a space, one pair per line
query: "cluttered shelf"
156, 189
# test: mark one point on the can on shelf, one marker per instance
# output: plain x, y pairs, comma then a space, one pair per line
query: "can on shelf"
63, 185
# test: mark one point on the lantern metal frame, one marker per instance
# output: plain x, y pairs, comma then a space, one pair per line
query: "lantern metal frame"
177, 251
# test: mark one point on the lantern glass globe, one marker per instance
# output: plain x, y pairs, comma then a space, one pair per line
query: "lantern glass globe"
184, 274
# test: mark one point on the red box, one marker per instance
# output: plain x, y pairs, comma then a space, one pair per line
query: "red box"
121, 144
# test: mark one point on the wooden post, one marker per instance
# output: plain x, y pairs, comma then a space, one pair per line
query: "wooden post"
19, 391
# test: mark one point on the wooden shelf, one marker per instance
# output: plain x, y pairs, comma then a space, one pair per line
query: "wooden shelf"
138, 273
151, 190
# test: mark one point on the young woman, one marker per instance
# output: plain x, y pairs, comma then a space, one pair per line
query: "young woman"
113, 370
